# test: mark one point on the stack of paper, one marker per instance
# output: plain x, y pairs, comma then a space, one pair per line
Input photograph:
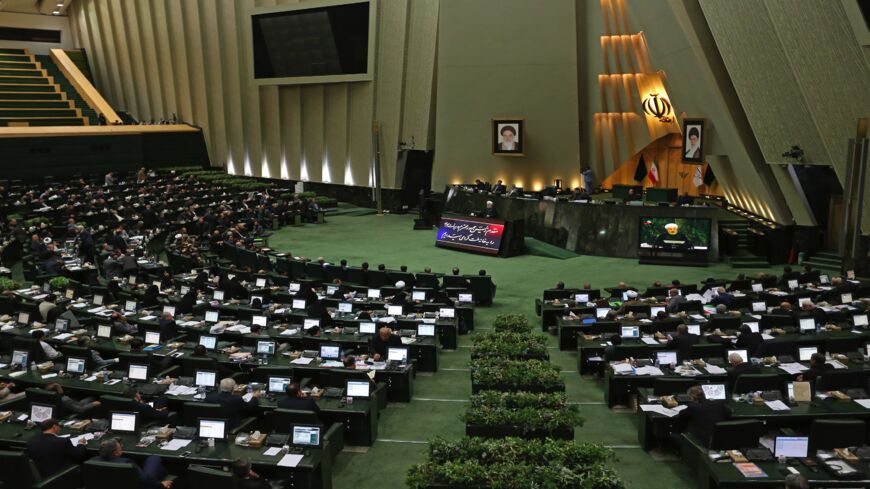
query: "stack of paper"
650, 370
715, 370
793, 368
174, 445
777, 405
180, 390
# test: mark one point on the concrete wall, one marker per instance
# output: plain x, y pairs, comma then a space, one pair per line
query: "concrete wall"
507, 58
36, 21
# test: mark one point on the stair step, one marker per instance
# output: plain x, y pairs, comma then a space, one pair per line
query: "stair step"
823, 265
828, 254
831, 261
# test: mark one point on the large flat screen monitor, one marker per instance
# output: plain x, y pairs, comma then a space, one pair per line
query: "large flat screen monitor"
674, 234
315, 41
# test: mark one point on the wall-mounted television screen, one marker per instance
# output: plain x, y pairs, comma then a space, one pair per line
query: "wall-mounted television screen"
674, 234
311, 40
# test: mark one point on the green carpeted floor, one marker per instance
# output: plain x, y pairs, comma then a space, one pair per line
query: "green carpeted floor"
440, 399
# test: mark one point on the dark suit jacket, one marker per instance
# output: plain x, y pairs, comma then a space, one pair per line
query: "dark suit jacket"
380, 346
682, 343
299, 404
700, 419
234, 406
749, 342
741, 369
52, 454
168, 329
252, 483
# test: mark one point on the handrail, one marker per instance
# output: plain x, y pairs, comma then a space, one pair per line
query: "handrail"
84, 87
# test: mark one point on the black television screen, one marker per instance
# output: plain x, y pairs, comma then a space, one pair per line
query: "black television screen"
321, 41
674, 234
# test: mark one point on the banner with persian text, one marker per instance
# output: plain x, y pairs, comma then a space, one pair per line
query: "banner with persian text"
472, 234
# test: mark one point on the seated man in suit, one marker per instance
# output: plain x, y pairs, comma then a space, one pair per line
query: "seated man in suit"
245, 478
152, 474
52, 454
748, 340
146, 411
785, 309
234, 406
380, 343
297, 399
682, 342
818, 367
722, 297
168, 327
701, 415
738, 368
674, 300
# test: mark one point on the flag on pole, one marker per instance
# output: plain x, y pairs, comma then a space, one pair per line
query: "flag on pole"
709, 177
698, 179
640, 173
654, 173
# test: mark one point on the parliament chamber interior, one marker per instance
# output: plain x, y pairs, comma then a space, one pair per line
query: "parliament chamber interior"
434, 244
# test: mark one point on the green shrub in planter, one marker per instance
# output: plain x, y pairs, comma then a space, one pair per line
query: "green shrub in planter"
8, 284
516, 373
515, 463
512, 323
526, 411
59, 283
509, 345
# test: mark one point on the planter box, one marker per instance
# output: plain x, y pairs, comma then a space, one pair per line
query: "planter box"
475, 388
566, 433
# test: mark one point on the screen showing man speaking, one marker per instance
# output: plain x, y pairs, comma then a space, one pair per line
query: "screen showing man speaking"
674, 234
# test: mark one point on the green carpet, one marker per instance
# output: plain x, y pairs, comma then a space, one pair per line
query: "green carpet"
540, 248
440, 399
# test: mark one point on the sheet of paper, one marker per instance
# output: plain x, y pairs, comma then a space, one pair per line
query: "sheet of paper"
86, 437
49, 376
793, 368
302, 361
650, 370
289, 460
174, 445
91, 378
272, 451
837, 365
777, 405
865, 403
715, 370
248, 396
147, 318
649, 341
180, 390
113, 381
658, 408
621, 368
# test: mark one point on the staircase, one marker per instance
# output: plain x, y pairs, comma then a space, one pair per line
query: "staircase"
825, 260
741, 256
30, 96
66, 87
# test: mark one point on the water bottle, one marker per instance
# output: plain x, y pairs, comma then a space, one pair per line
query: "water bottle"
33, 367
249, 389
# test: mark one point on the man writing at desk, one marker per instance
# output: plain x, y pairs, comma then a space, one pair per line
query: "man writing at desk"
297, 400
383, 341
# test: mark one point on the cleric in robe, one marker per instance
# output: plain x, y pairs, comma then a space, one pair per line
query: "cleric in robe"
672, 239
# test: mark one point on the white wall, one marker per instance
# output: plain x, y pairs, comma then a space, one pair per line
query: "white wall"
35, 21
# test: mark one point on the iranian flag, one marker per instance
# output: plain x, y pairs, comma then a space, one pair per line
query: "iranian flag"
653, 174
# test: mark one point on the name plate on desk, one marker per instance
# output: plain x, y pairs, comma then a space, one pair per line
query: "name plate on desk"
471, 234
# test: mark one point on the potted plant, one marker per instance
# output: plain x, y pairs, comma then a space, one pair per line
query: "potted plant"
514, 375
532, 415
59, 283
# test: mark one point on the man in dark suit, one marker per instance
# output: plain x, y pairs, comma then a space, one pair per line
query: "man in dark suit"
682, 342
382, 342
146, 411
784, 309
168, 327
499, 188
234, 406
701, 415
738, 368
674, 300
297, 400
52, 454
748, 340
723, 297
152, 474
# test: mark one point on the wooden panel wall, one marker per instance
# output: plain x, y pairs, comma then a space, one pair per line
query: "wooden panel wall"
154, 58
